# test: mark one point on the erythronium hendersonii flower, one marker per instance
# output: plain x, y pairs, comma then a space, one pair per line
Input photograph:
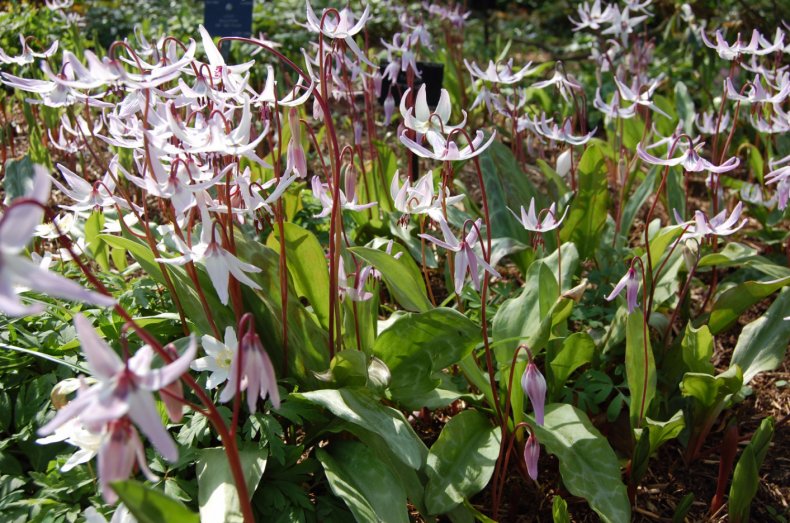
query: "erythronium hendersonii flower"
348, 199
120, 451
251, 370
218, 359
420, 118
123, 389
613, 109
75, 433
629, 282
690, 160
420, 198
529, 220
499, 74
341, 26
219, 262
643, 98
17, 226
565, 84
531, 456
534, 385
27, 56
780, 174
465, 256
706, 122
757, 45
445, 149
719, 225
755, 92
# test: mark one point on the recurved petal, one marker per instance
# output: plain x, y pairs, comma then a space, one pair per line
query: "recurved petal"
142, 410
102, 360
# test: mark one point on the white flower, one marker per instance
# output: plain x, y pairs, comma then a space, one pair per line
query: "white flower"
219, 357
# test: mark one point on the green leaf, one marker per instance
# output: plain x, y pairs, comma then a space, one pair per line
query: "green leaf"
635, 202
577, 350
506, 186
357, 407
663, 431
640, 368
307, 266
366, 484
18, 179
217, 495
461, 461
98, 248
734, 301
402, 276
711, 391
697, 349
734, 254
151, 506
588, 465
685, 107
559, 510
746, 477
417, 346
763, 343
587, 217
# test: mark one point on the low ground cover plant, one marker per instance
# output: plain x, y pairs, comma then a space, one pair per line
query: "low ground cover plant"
301, 277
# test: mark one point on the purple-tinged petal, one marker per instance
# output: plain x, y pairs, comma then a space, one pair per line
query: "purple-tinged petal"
142, 410
102, 360
534, 385
161, 377
531, 456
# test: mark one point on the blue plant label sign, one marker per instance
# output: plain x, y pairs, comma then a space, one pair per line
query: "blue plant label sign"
228, 17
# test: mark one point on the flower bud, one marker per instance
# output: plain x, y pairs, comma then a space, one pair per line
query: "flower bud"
534, 385
531, 455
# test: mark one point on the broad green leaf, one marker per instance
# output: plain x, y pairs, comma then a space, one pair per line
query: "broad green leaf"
569, 260
635, 202
18, 179
711, 391
588, 465
663, 431
633, 129
506, 186
184, 286
685, 107
402, 276
356, 406
746, 477
461, 461
418, 346
151, 506
587, 217
734, 254
307, 341
763, 343
697, 349
733, 302
640, 368
366, 484
217, 495
98, 248
307, 266
577, 350
520, 319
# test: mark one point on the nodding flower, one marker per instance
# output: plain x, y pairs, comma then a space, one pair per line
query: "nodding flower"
629, 282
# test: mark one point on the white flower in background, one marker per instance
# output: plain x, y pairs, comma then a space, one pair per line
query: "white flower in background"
75, 433
218, 359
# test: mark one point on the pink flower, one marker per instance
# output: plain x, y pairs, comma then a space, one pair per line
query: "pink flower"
465, 257
122, 448
630, 282
531, 456
529, 220
256, 375
534, 385
17, 226
690, 160
123, 389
